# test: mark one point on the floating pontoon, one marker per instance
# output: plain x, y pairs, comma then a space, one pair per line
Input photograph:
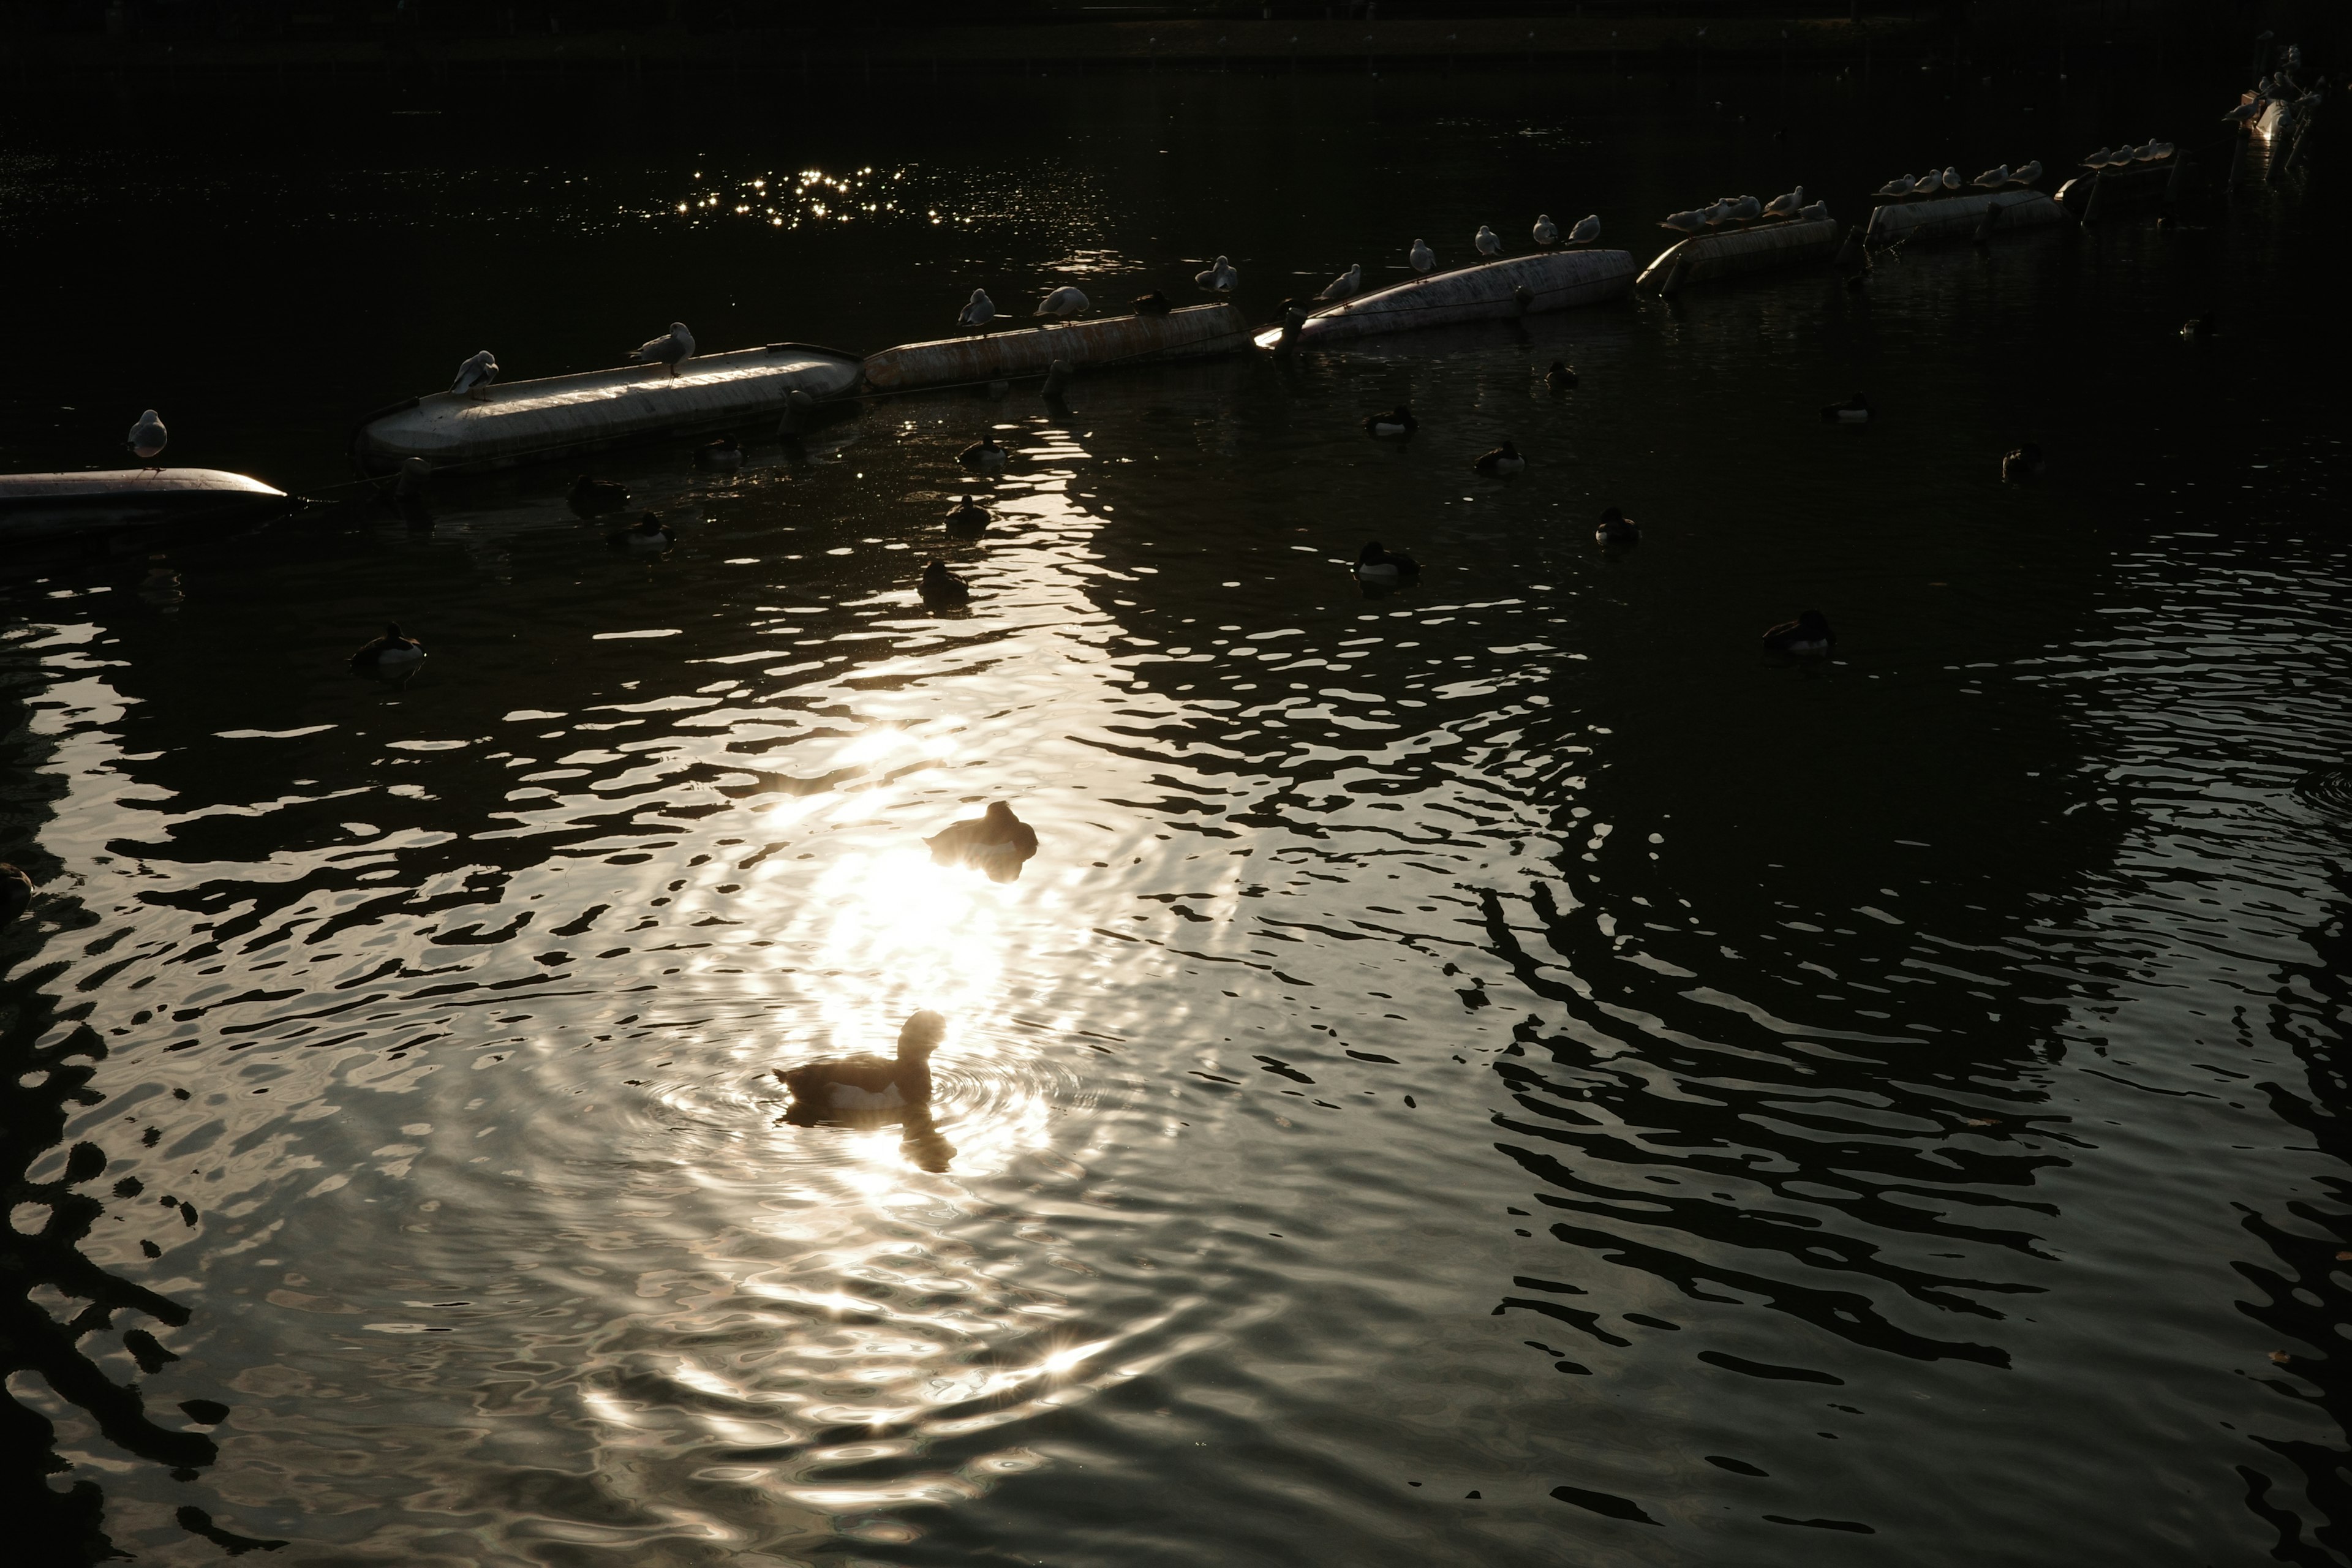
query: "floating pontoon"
1195, 332
1962, 217
1704, 257
37, 505
1492, 290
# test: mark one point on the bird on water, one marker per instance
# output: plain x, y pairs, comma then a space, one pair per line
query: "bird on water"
1809, 632
390, 651
2199, 328
671, 350
866, 1086
649, 534
596, 497
1503, 459
1560, 377
996, 842
942, 586
473, 376
1396, 423
1616, 528
1381, 568
1854, 410
2021, 464
147, 438
723, 455
16, 892
983, 452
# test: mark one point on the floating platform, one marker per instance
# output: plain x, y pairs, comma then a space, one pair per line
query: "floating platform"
1492, 290
2086, 195
1194, 332
526, 421
1706, 257
1961, 217
48, 506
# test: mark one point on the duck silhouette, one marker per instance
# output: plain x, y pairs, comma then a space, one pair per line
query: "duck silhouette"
596, 497
1854, 410
1397, 422
1503, 459
1616, 528
997, 842
650, 535
390, 651
1809, 632
1378, 568
968, 517
983, 452
1559, 378
867, 1091
2023, 464
723, 455
941, 587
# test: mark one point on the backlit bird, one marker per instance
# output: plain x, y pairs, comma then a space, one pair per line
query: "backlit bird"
1992, 179
1744, 209
1545, 232
1814, 213
1684, 223
1064, 303
1786, 204
1895, 187
1927, 184
1343, 286
978, 312
1951, 178
1587, 229
2028, 174
1488, 242
1423, 258
147, 438
672, 349
473, 376
1219, 278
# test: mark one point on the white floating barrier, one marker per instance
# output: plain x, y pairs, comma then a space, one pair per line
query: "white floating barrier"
523, 421
1959, 217
37, 506
1195, 332
1703, 257
1518, 286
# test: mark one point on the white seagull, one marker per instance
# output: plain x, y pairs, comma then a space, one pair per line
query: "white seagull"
978, 312
1344, 287
1423, 258
1927, 184
2097, 159
1587, 229
1951, 177
1546, 231
1487, 241
1062, 303
1785, 205
476, 375
674, 348
1743, 209
1816, 212
1896, 187
2028, 174
147, 437
1684, 223
1219, 278
1992, 179
2245, 111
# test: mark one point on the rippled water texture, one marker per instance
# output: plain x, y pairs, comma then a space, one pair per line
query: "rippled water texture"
1498, 1073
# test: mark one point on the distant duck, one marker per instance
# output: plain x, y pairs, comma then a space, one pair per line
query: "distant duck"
1684, 223
1809, 632
1343, 286
1488, 242
1815, 212
2028, 174
1559, 378
983, 452
997, 843
1153, 304
648, 535
968, 516
1854, 410
147, 438
1397, 422
671, 350
596, 497
2199, 330
1219, 278
723, 455
1383, 568
978, 312
1895, 187
2021, 464
390, 651
16, 892
1422, 257
1545, 232
1785, 205
942, 586
1064, 303
1616, 528
1503, 459
473, 376
1992, 179
1587, 229
867, 1085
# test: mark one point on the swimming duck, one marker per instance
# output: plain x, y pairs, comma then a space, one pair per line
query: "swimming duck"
1559, 378
997, 843
1503, 459
1854, 410
649, 534
1397, 422
1488, 242
1809, 632
983, 452
1153, 304
1616, 528
595, 498
1587, 229
968, 516
1344, 287
1064, 303
1381, 568
867, 1085
942, 586
2198, 330
1422, 257
390, 651
1546, 231
16, 892
2023, 464
723, 455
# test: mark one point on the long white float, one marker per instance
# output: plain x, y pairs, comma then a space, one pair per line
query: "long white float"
1955, 218
34, 506
523, 421
1195, 332
1703, 257
1516, 285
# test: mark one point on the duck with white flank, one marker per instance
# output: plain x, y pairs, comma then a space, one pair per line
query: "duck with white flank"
968, 516
997, 843
978, 311
389, 652
983, 452
596, 497
1546, 231
651, 535
1854, 410
2021, 464
147, 438
1379, 568
1488, 242
1422, 257
1809, 632
868, 1091
1503, 459
1587, 229
1559, 378
671, 350
16, 892
473, 376
1396, 424
723, 455
1616, 528
1064, 303
1343, 286
941, 586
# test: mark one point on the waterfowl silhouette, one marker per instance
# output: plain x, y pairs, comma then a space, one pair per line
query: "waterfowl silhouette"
983, 452
1397, 422
16, 892
649, 534
1503, 459
596, 497
2199, 330
1559, 378
1344, 286
473, 376
996, 842
1153, 304
1616, 528
2023, 464
1587, 229
1381, 568
723, 455
1854, 410
1064, 303
941, 586
1809, 632
671, 350
390, 651
1691, 222
863, 1086
978, 311
968, 516
147, 438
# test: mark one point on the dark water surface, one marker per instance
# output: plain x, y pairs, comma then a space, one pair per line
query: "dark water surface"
1496, 1074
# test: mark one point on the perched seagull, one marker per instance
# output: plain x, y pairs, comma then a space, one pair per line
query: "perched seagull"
1062, 303
1423, 258
673, 350
1219, 278
1587, 230
2028, 174
1487, 241
1745, 210
1785, 205
476, 375
978, 313
1344, 287
2245, 111
2159, 149
147, 437
1992, 179
1951, 178
1546, 231
1717, 215
1927, 184
1896, 187
1814, 213
2097, 159
1685, 223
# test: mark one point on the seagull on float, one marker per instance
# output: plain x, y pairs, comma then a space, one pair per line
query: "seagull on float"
1545, 232
1744, 209
473, 376
1685, 223
978, 312
147, 438
1992, 179
1062, 303
1785, 205
1951, 177
2028, 174
1422, 257
1219, 278
672, 349
1488, 242
1894, 187
1343, 286
1814, 213
1927, 184
1587, 229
